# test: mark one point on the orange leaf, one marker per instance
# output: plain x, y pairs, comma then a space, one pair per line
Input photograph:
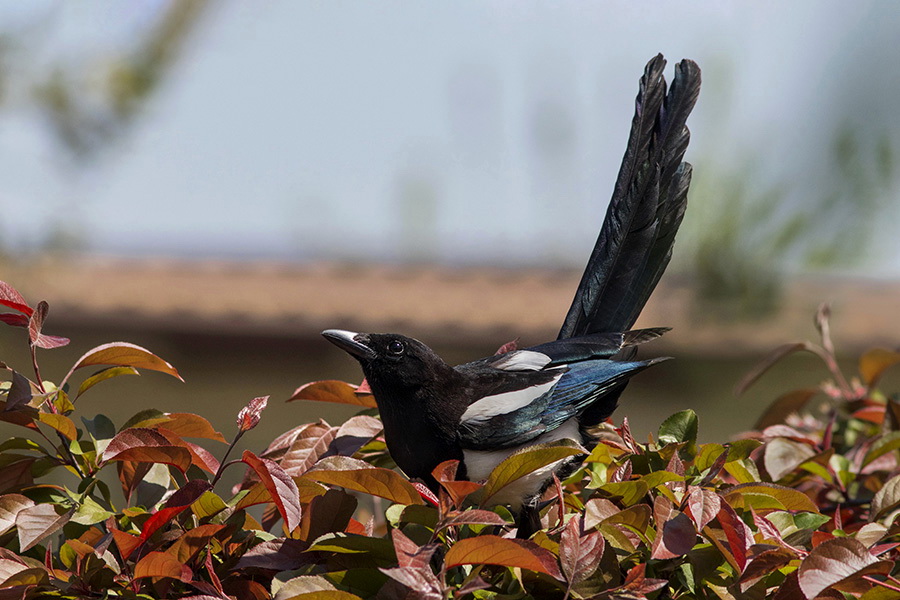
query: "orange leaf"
445, 474
193, 540
495, 550
160, 564
125, 355
61, 423
360, 476
126, 542
191, 425
333, 391
874, 362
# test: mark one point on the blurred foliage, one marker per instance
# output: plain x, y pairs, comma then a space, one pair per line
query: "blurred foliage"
85, 115
746, 237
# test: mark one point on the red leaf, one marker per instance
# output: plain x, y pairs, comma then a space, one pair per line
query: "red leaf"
764, 563
20, 392
176, 503
14, 319
364, 387
148, 446
249, 416
735, 532
11, 298
160, 564
408, 552
307, 450
475, 516
280, 485
579, 551
494, 550
638, 583
426, 493
703, 506
838, 563
510, 346
675, 533
280, 554
422, 581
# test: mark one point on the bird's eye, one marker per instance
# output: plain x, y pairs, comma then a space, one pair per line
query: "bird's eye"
396, 347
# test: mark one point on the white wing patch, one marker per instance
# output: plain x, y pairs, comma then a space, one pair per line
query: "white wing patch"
522, 360
500, 404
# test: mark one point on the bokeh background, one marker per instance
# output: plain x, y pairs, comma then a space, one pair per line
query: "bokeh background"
220, 181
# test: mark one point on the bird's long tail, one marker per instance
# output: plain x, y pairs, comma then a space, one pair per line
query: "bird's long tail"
648, 203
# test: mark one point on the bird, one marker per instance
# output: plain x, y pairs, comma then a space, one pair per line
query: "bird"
481, 412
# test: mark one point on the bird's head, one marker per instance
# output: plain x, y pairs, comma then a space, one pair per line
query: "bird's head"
390, 361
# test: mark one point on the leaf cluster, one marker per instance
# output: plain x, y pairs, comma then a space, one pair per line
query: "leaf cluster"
803, 507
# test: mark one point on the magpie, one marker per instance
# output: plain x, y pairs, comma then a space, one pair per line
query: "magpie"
482, 411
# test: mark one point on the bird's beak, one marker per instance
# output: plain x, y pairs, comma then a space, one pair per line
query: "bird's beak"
351, 342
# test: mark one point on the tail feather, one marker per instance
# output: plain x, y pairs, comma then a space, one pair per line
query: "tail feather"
635, 242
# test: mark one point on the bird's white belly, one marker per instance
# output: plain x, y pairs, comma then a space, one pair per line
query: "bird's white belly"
480, 463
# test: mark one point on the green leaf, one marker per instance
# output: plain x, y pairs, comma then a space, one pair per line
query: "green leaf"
207, 505
680, 427
145, 418
346, 543
743, 470
630, 492
18, 443
103, 375
90, 513
660, 477
527, 461
744, 495
100, 427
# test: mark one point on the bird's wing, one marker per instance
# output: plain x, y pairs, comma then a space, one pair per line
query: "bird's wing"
648, 202
590, 347
516, 417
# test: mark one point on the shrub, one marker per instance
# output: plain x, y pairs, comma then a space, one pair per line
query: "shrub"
804, 507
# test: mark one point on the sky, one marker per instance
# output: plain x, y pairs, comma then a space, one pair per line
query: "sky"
461, 133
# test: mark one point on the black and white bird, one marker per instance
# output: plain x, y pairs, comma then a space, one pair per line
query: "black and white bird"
481, 412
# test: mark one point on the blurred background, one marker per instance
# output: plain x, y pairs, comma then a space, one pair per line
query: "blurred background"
220, 181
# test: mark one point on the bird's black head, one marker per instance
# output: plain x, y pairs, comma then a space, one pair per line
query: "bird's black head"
392, 362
